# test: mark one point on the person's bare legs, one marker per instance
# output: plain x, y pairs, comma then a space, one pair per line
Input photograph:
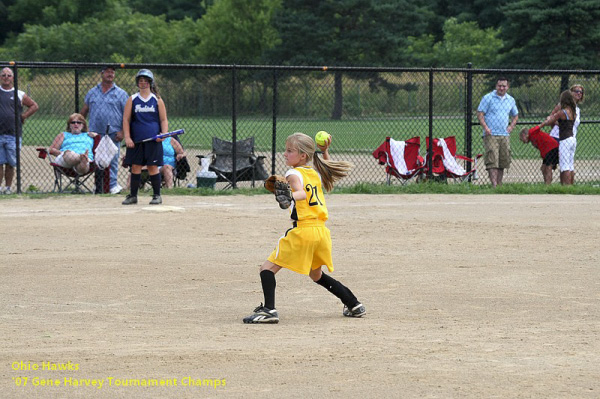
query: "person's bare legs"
1, 174
547, 173
79, 162
270, 266
500, 175
152, 170
493, 172
572, 180
167, 172
316, 274
565, 177
71, 159
84, 164
9, 173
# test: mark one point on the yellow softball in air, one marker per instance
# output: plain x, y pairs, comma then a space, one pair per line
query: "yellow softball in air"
322, 137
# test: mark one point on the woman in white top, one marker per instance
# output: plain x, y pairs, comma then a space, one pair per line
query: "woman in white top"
567, 148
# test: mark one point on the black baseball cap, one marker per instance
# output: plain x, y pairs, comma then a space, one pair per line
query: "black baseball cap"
104, 68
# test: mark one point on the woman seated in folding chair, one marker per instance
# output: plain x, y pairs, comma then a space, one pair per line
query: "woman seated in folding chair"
73, 147
172, 152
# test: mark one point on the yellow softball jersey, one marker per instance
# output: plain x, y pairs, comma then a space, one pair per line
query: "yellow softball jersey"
314, 206
307, 245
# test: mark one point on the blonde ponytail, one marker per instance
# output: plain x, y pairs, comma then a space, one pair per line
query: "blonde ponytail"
330, 171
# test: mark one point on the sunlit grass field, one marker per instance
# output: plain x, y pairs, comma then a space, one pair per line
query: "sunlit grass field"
350, 136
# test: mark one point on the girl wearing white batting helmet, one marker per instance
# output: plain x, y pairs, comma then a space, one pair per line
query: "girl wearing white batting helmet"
144, 117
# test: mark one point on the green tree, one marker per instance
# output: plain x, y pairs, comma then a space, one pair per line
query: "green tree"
462, 43
487, 13
347, 32
139, 37
173, 9
551, 34
237, 31
7, 27
56, 12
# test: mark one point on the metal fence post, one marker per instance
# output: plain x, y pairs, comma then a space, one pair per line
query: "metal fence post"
76, 90
234, 125
18, 123
274, 138
429, 150
468, 117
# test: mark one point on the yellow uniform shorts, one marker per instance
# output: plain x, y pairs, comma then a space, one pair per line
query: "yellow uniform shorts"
304, 248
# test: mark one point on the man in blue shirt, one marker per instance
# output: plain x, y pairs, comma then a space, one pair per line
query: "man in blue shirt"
494, 113
105, 103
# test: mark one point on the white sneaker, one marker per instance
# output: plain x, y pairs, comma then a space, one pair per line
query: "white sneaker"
8, 191
116, 189
2, 190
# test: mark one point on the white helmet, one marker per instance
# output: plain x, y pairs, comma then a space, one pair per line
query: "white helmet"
146, 73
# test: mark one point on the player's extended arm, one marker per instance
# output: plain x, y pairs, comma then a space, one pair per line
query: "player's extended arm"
279, 186
298, 192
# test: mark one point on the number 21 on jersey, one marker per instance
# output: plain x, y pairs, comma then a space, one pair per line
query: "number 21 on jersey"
314, 195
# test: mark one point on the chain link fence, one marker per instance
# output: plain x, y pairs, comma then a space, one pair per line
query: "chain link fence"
360, 107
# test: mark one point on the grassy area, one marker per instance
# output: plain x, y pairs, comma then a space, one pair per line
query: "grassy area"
368, 188
351, 136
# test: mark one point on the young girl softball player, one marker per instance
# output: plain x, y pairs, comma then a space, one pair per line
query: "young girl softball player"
144, 117
306, 247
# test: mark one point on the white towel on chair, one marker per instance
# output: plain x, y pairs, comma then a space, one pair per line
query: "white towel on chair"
449, 160
105, 152
397, 150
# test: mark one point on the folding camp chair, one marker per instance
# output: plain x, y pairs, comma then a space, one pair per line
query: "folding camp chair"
66, 179
401, 159
182, 168
249, 167
445, 160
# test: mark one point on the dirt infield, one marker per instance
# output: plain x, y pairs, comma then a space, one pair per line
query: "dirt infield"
467, 297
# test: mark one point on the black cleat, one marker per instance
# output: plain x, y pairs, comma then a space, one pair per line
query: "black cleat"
357, 311
129, 200
156, 200
262, 315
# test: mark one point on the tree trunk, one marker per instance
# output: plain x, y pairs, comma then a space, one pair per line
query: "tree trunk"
338, 97
564, 83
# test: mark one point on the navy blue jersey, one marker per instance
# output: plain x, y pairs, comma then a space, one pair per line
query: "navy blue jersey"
145, 122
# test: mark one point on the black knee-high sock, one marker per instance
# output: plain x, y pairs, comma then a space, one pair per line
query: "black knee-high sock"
155, 181
267, 278
136, 179
338, 289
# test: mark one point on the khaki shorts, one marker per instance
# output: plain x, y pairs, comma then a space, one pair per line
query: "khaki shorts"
304, 248
497, 152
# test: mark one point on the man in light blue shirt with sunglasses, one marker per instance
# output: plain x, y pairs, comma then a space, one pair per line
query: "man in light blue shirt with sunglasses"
494, 113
